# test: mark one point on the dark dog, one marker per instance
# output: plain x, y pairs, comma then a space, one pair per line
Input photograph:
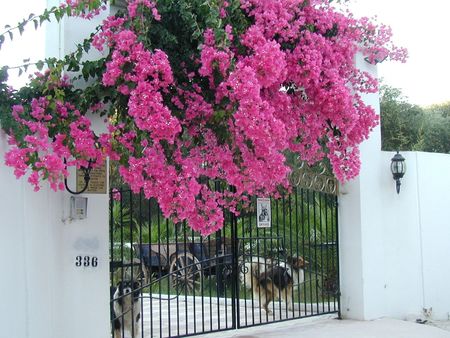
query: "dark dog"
272, 284
127, 308
271, 280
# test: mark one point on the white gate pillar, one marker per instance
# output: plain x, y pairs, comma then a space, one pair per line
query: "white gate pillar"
361, 236
46, 294
82, 304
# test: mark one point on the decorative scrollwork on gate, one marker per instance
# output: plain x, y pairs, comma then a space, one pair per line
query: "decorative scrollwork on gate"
317, 178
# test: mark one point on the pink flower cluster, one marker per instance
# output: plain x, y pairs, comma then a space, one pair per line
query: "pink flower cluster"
149, 77
86, 9
288, 83
57, 137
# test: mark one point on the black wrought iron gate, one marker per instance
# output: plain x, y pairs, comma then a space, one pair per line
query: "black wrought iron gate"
168, 281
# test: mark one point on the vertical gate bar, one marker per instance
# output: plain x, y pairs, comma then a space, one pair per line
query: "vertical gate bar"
150, 282
112, 259
308, 205
185, 291
291, 253
176, 288
201, 283
334, 240
315, 250
299, 287
285, 248
219, 286
219, 271
193, 288
322, 270
222, 247
203, 255
121, 247
142, 264
304, 224
130, 194
209, 282
176, 281
241, 267
258, 260
168, 281
158, 220
327, 256
277, 258
281, 247
303, 220
250, 266
234, 260
338, 283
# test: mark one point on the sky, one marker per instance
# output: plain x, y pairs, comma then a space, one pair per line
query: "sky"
420, 26
423, 28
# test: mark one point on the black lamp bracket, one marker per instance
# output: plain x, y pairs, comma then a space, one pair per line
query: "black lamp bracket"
86, 177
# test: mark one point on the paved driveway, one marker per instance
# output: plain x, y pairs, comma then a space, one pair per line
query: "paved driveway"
333, 328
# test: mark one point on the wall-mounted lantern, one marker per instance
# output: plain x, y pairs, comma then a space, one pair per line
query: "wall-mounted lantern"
398, 169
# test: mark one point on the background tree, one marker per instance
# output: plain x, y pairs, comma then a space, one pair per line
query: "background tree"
406, 126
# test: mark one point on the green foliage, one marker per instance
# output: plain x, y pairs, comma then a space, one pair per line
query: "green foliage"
406, 126
436, 133
442, 109
401, 121
56, 12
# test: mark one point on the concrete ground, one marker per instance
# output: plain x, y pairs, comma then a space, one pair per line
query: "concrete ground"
326, 327
171, 316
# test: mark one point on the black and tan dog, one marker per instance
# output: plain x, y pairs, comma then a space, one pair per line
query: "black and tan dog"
272, 284
127, 309
270, 280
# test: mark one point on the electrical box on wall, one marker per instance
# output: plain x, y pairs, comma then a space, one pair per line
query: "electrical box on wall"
78, 207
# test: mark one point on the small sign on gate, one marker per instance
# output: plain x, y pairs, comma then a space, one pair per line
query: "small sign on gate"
263, 213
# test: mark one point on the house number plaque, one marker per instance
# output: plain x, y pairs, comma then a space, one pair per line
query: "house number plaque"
97, 183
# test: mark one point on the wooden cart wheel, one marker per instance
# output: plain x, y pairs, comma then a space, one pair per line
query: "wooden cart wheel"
135, 265
185, 272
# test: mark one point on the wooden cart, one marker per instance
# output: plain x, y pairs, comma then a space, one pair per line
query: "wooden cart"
185, 263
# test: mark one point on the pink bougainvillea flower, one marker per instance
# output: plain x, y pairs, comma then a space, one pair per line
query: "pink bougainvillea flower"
263, 80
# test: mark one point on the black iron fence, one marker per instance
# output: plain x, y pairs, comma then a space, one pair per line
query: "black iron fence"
168, 281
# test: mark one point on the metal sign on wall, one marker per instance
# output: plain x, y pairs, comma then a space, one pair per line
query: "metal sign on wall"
263, 212
97, 183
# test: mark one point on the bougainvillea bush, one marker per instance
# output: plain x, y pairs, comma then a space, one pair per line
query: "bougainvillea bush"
195, 91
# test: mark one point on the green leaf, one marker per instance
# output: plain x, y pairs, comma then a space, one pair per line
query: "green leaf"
85, 72
57, 16
86, 46
40, 65
79, 55
3, 74
21, 27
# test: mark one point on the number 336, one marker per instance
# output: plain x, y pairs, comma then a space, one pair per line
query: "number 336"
86, 261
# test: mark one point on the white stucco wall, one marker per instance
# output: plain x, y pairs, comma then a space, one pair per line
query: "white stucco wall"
433, 188
394, 247
44, 294
416, 232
